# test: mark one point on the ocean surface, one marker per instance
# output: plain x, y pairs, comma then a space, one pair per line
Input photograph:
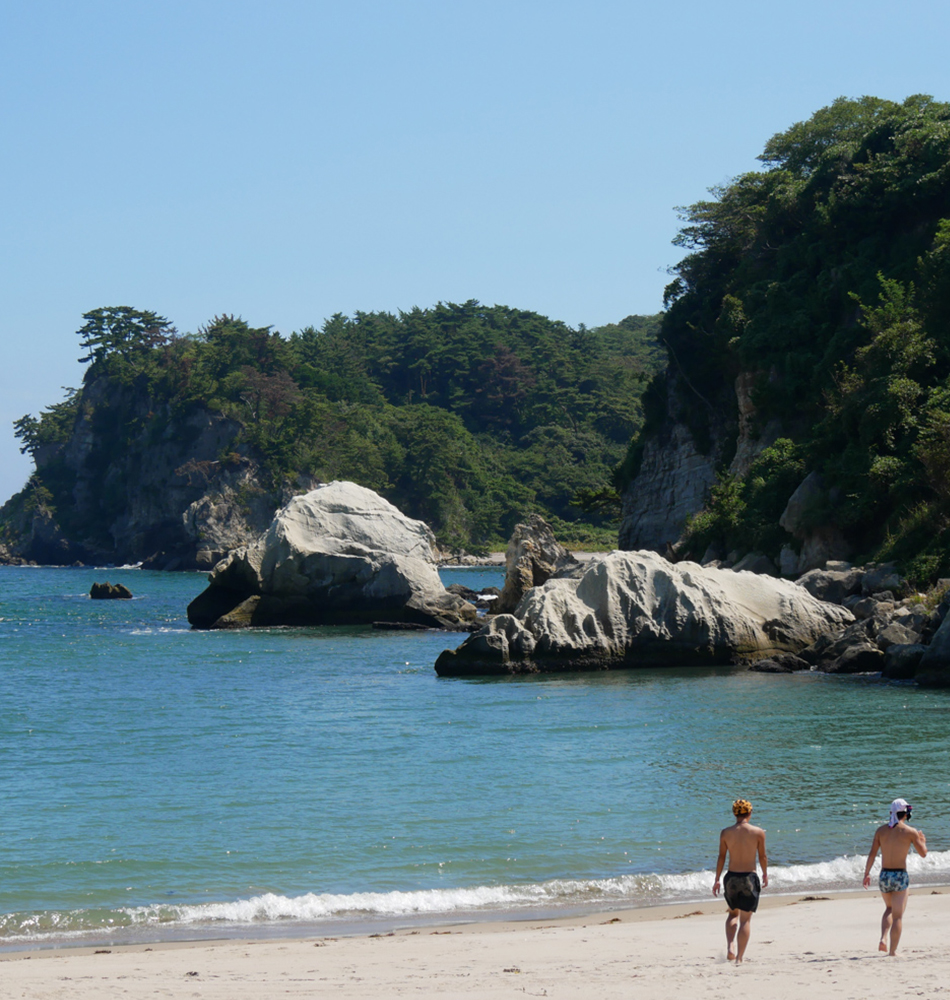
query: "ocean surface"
158, 783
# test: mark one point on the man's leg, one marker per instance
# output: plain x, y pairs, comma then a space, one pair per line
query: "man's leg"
886, 920
745, 929
896, 904
732, 925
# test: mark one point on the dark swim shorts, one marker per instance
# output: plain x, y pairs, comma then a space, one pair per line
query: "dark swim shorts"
741, 890
893, 880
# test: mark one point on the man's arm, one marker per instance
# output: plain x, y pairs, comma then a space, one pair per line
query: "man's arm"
720, 861
872, 854
763, 860
920, 843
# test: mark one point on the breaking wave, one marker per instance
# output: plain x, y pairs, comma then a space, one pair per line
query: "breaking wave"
324, 911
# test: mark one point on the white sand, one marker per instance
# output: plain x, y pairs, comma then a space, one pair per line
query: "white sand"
813, 949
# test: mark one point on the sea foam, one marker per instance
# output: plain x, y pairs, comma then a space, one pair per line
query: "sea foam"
324, 910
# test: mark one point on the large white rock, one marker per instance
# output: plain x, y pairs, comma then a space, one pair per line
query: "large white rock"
338, 554
633, 609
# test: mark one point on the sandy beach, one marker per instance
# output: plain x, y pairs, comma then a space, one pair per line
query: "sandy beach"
801, 947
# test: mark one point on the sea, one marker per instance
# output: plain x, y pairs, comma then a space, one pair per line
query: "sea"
159, 783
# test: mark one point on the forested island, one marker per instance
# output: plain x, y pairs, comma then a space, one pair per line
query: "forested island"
177, 448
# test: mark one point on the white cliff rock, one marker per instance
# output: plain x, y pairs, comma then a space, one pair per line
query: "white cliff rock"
533, 556
338, 554
633, 609
673, 483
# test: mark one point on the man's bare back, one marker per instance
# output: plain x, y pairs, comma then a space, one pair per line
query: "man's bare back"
743, 843
895, 843
894, 840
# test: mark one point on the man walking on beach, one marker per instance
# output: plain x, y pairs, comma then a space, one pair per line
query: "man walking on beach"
743, 842
894, 840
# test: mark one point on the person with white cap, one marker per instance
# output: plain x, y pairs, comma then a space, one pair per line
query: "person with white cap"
894, 840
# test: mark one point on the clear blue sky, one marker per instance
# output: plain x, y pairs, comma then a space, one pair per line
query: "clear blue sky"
286, 160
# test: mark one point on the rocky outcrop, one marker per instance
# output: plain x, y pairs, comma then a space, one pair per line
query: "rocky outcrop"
672, 483
340, 554
752, 439
533, 556
933, 664
109, 592
636, 609
890, 636
173, 490
821, 540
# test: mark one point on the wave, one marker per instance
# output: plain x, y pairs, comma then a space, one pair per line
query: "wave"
362, 908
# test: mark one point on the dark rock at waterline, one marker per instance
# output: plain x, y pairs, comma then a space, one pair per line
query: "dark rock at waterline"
934, 667
781, 663
901, 661
110, 592
484, 599
863, 658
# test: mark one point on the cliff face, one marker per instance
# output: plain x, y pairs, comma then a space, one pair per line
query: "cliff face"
137, 483
672, 483
676, 473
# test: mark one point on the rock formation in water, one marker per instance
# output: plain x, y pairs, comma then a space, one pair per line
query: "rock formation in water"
533, 556
636, 609
109, 592
340, 554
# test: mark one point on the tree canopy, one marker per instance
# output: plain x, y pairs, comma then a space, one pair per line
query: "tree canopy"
465, 415
827, 274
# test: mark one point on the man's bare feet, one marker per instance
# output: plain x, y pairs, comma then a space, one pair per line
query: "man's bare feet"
882, 947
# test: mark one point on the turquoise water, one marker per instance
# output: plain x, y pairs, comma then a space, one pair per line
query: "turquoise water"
159, 782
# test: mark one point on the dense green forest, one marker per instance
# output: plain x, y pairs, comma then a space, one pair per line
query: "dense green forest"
827, 273
466, 416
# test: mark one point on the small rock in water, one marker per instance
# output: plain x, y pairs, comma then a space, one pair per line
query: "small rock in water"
110, 592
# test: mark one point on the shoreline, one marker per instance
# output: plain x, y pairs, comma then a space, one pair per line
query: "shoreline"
152, 936
801, 946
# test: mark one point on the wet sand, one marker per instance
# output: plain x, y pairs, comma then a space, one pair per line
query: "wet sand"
801, 947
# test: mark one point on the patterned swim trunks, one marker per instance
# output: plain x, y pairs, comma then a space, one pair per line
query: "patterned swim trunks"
893, 880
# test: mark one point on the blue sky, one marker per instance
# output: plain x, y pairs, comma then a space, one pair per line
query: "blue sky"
287, 160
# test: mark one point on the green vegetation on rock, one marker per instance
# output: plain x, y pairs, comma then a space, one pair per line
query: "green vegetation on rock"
468, 417
826, 274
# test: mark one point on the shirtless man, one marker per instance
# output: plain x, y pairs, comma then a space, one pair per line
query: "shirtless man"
743, 842
894, 840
